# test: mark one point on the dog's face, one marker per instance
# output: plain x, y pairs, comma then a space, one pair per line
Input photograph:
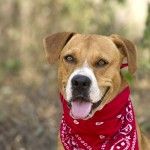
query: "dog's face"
89, 69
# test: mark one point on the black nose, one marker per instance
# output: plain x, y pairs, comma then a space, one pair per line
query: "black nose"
81, 82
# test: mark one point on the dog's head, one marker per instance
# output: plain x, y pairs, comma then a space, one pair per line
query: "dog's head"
89, 68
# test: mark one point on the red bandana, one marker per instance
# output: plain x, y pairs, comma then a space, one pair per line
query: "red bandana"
112, 128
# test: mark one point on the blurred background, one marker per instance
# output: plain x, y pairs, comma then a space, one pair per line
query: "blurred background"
29, 102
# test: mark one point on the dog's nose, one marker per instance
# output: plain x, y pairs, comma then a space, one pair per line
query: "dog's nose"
81, 82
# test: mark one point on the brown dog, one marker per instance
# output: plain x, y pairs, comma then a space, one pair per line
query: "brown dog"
89, 72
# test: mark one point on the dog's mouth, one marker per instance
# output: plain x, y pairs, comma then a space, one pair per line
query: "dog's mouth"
82, 108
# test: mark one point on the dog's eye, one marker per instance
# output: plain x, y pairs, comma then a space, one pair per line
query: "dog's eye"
70, 59
101, 63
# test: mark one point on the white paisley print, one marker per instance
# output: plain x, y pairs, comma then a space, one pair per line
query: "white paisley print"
124, 139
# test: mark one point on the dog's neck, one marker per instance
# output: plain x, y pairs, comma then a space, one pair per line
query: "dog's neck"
118, 102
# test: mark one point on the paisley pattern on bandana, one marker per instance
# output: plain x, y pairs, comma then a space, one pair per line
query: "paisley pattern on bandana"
112, 128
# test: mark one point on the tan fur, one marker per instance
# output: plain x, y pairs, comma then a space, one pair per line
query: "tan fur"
91, 48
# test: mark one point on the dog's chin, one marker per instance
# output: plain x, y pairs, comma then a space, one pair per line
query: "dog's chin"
85, 109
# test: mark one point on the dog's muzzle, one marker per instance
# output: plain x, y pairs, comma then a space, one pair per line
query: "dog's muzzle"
80, 102
83, 93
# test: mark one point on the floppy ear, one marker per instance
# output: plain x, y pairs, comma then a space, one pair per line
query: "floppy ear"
128, 49
53, 44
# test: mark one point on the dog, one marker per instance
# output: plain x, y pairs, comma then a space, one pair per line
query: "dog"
97, 109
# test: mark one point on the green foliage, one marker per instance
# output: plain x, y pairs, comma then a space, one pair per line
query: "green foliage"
11, 66
84, 16
145, 65
146, 39
146, 127
128, 76
121, 1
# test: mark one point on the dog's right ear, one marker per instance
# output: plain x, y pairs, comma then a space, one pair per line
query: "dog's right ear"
53, 44
129, 50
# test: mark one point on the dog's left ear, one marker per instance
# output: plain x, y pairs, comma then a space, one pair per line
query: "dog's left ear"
128, 49
54, 43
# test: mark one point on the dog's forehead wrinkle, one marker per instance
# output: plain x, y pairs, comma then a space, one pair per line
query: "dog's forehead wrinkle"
89, 41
